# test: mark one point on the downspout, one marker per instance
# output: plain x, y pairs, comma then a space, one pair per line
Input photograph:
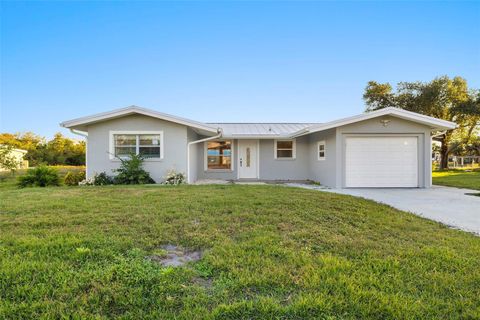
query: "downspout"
219, 134
86, 146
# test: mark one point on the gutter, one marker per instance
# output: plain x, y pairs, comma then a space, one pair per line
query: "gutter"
79, 133
438, 134
219, 134
300, 132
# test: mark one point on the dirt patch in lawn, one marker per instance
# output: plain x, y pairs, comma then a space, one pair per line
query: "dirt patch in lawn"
174, 256
206, 283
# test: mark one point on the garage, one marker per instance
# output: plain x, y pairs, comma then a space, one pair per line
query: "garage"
381, 161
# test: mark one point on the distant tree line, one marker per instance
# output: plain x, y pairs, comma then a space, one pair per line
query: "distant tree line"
58, 151
443, 98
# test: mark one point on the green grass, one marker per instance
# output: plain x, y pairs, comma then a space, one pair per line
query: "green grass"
459, 178
270, 252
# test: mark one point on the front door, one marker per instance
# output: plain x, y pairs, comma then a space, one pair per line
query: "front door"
247, 159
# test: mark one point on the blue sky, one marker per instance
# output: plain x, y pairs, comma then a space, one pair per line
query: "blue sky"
217, 61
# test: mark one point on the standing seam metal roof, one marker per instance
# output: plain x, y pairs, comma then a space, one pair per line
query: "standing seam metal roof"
260, 129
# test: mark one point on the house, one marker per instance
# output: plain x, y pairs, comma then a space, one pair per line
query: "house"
385, 148
17, 155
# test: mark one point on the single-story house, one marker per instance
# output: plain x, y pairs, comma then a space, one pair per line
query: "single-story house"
385, 148
17, 155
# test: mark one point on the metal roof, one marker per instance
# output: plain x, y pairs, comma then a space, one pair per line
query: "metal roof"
260, 129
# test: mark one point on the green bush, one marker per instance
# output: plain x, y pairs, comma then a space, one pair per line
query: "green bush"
102, 179
131, 171
73, 178
40, 176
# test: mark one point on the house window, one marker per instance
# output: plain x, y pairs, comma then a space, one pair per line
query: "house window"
219, 155
321, 150
285, 149
147, 144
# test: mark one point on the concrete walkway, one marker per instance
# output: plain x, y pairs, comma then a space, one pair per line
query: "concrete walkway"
450, 206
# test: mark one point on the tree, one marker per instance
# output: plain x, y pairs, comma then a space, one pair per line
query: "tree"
59, 150
28, 141
7, 158
443, 98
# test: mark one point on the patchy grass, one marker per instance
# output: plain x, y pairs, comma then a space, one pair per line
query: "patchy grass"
459, 178
269, 252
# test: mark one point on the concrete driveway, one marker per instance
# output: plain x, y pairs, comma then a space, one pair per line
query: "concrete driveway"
450, 206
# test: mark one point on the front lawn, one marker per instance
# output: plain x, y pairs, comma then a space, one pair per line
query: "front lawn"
269, 252
459, 178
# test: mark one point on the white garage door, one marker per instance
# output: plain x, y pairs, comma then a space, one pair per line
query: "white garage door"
381, 162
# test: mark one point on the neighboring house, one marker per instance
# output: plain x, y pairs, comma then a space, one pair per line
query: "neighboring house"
18, 155
386, 148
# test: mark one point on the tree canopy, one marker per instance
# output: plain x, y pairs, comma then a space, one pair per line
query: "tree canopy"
443, 98
58, 151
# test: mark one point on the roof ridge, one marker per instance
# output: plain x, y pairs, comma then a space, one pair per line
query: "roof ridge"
263, 122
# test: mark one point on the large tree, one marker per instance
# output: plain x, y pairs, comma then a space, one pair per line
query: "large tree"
443, 98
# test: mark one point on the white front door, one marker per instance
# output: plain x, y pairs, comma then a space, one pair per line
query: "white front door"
247, 159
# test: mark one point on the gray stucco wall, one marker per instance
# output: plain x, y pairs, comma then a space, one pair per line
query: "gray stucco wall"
284, 169
396, 126
174, 139
323, 171
269, 167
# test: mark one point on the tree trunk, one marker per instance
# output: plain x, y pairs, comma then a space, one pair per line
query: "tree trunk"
444, 154
443, 157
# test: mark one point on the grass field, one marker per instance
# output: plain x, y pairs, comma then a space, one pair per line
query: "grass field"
459, 178
269, 252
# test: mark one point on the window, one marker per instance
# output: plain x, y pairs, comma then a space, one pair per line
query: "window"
219, 155
148, 144
321, 150
285, 149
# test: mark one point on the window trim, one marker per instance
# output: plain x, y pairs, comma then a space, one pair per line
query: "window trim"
320, 143
232, 157
294, 149
111, 147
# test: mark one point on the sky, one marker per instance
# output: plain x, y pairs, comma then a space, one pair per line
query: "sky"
222, 61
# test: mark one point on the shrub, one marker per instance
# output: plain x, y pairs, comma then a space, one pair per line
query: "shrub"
131, 171
102, 179
174, 178
40, 176
99, 179
73, 178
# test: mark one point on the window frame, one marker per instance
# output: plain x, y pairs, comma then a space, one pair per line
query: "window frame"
137, 144
232, 157
294, 149
324, 144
